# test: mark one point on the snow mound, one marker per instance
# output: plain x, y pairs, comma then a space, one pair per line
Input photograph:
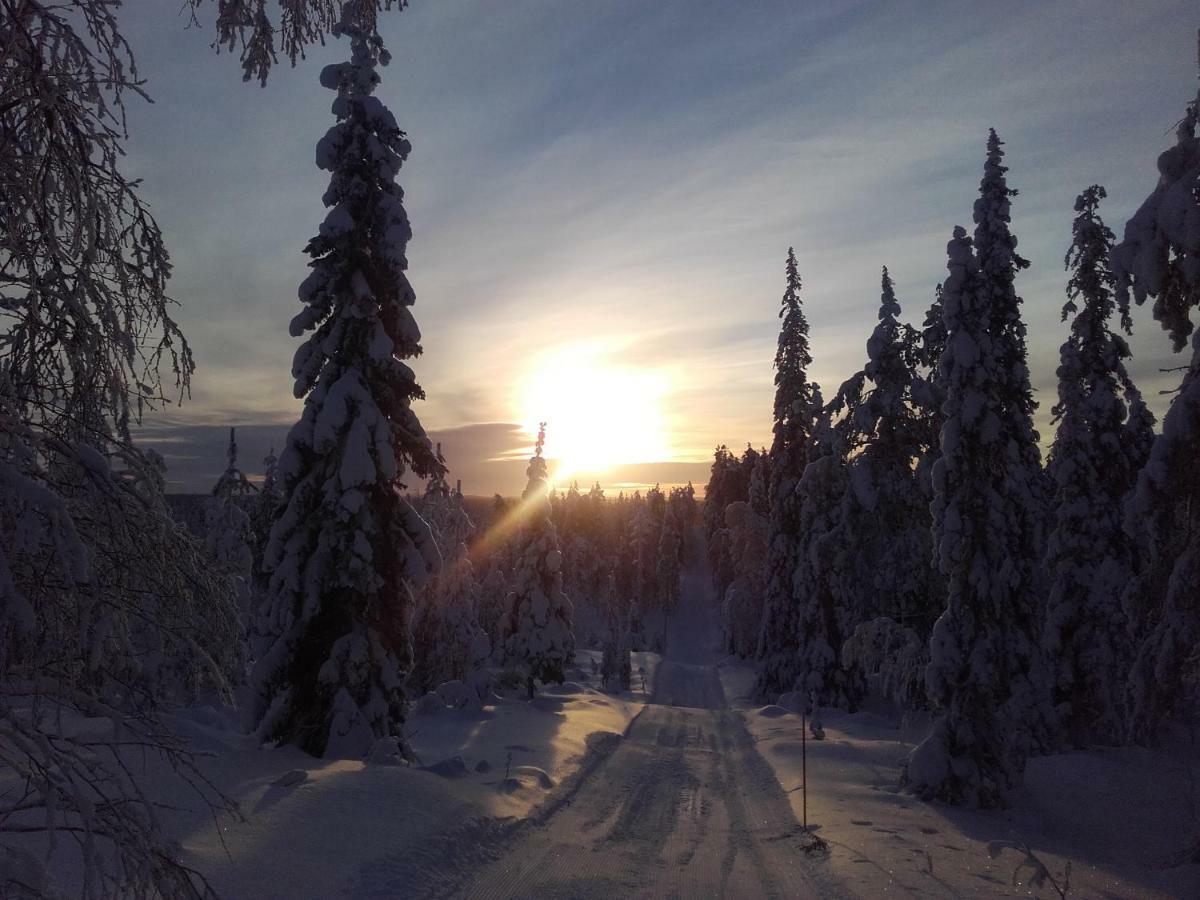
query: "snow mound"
772, 711
540, 777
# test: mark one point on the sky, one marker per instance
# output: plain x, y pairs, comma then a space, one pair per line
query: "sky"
603, 196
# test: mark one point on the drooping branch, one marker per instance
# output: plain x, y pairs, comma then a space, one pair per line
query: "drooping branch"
260, 31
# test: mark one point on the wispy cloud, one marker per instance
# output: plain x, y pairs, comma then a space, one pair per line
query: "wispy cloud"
635, 172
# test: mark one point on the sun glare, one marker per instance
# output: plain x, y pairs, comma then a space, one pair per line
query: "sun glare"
599, 414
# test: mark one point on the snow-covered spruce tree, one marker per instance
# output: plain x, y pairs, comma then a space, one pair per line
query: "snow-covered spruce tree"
725, 485
448, 614
263, 509
794, 414
610, 609
624, 566
670, 558
1159, 257
427, 670
492, 601
885, 566
933, 334
229, 535
647, 528
539, 637
1142, 595
741, 606
644, 529
232, 483
587, 561
924, 349
1093, 464
758, 493
716, 494
348, 547
893, 655
738, 485
985, 673
745, 555
886, 511
823, 616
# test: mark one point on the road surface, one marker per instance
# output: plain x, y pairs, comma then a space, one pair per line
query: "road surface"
684, 807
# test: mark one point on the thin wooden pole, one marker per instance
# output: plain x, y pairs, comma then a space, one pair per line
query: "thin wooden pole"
804, 769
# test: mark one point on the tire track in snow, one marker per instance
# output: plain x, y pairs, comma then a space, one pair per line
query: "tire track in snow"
683, 807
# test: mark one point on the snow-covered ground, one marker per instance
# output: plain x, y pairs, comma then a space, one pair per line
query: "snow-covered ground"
681, 786
684, 805
1116, 814
346, 827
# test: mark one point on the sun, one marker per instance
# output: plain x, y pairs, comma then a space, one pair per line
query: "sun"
598, 414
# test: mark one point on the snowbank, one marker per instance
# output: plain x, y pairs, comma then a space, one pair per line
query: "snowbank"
1117, 814
319, 828
549, 734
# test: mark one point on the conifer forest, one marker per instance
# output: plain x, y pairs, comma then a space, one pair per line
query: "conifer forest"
361, 607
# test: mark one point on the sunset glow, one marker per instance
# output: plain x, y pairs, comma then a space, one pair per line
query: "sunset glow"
599, 413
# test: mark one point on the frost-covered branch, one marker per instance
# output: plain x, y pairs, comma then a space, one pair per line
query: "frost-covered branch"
260, 30
76, 785
85, 322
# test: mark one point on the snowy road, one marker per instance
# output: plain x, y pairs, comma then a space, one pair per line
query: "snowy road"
685, 807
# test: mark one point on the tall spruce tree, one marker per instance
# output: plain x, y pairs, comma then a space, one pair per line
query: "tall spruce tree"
669, 563
985, 673
1093, 465
741, 605
262, 515
1159, 257
539, 637
924, 349
823, 569
726, 485
794, 414
232, 484
347, 547
229, 535
887, 512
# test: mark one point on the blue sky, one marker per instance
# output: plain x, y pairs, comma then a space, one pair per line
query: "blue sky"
627, 177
